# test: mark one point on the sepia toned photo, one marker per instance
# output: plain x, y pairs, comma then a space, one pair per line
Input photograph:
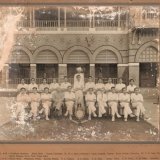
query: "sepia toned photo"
84, 73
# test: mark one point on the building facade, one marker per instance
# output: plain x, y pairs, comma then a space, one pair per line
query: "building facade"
50, 42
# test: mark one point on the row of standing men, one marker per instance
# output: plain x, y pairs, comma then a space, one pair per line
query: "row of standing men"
101, 95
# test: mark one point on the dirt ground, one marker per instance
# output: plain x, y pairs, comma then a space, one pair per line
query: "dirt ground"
96, 130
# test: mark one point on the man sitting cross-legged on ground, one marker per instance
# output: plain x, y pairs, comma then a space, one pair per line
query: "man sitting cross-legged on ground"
69, 101
35, 102
137, 102
113, 103
90, 102
46, 99
58, 100
124, 99
22, 102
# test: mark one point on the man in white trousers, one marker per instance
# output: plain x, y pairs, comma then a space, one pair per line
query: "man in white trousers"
113, 103
137, 102
35, 102
90, 102
69, 101
124, 99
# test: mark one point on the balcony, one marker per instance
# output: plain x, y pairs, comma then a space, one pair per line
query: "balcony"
73, 25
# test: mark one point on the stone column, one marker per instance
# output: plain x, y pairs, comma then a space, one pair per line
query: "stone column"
59, 19
92, 70
33, 71
65, 19
119, 18
123, 72
5, 76
62, 71
134, 72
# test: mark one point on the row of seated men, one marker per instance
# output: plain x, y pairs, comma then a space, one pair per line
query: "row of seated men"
97, 97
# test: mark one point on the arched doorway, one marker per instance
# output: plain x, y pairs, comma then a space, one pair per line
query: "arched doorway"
148, 67
75, 59
47, 65
106, 65
19, 67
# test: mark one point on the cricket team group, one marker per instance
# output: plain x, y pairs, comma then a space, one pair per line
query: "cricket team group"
95, 99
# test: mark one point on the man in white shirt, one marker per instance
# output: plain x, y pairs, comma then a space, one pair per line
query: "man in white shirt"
109, 85
22, 102
131, 86
54, 86
43, 85
89, 84
69, 101
46, 99
22, 85
78, 89
64, 85
137, 102
99, 85
35, 102
102, 102
90, 102
113, 103
119, 85
32, 84
124, 99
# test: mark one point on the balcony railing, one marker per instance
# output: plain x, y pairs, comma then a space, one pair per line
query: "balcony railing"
74, 25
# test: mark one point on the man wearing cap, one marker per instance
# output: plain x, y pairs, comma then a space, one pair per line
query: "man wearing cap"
22, 102
22, 85
89, 84
90, 102
124, 99
69, 101
113, 103
137, 102
32, 84
46, 99
43, 85
35, 102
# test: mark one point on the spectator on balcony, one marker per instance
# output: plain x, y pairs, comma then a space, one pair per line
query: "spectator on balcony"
113, 103
54, 86
90, 102
35, 102
120, 85
22, 85
124, 99
109, 85
46, 99
69, 101
43, 85
22, 103
131, 86
89, 84
137, 102
32, 84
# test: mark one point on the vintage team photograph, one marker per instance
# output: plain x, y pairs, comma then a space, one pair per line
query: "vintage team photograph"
79, 73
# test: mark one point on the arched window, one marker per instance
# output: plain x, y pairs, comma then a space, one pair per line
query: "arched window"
150, 54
